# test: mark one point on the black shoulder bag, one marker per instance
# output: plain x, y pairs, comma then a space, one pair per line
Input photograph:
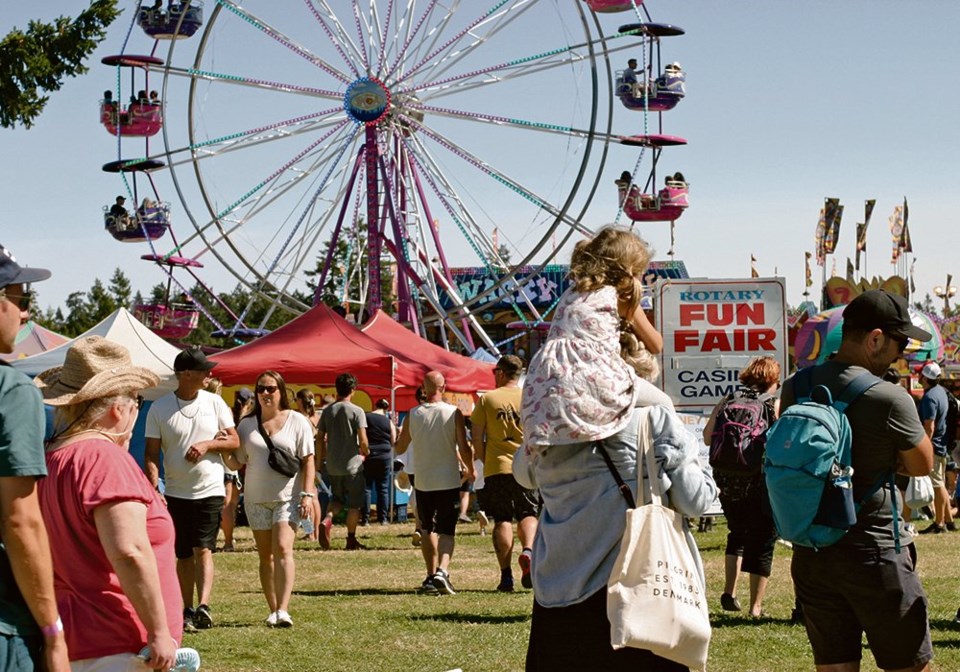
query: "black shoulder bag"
280, 460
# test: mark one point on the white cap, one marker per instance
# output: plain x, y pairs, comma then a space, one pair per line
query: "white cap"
931, 370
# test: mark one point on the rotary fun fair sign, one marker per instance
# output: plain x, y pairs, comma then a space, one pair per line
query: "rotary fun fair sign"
711, 330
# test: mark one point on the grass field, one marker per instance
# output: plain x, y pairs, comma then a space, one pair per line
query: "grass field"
356, 611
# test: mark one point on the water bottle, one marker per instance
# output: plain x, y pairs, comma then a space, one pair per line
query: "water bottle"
186, 660
306, 524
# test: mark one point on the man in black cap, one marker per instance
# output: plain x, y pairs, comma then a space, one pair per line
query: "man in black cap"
30, 629
863, 583
190, 426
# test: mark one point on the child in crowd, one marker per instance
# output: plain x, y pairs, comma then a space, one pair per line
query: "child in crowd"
578, 387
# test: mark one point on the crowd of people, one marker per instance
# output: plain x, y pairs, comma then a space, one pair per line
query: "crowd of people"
544, 446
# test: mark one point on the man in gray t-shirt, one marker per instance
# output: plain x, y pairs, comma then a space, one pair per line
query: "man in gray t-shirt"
342, 443
867, 583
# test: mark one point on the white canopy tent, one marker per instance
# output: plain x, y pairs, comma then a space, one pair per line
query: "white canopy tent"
146, 349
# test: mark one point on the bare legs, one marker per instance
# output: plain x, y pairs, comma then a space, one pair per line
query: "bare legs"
196, 572
277, 571
228, 517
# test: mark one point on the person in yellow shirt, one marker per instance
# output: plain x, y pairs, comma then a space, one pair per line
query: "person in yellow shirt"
497, 434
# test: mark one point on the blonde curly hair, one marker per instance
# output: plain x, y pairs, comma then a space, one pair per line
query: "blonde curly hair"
615, 257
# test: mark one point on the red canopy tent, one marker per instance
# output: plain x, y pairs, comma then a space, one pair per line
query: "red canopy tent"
462, 374
319, 345
314, 349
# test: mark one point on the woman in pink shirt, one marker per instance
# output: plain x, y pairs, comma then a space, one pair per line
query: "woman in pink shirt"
114, 568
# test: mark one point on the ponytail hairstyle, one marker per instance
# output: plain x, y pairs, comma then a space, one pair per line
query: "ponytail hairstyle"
305, 397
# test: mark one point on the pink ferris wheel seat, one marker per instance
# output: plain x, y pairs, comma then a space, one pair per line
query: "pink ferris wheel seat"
173, 321
136, 120
611, 6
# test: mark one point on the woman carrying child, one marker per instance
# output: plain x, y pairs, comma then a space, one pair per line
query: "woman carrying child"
581, 398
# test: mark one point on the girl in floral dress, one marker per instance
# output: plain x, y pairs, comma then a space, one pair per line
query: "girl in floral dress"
578, 388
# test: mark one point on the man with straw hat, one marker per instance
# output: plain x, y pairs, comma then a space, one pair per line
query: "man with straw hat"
113, 561
190, 426
29, 619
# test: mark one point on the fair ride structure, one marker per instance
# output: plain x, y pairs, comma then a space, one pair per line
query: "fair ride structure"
419, 135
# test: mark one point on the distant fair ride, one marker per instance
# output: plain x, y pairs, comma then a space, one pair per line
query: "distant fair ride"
414, 132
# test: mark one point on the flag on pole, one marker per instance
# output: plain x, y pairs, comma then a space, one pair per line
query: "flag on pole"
861, 240
834, 213
913, 287
868, 213
905, 243
806, 264
820, 236
753, 267
850, 271
895, 222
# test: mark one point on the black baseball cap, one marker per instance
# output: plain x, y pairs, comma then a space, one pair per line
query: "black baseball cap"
880, 309
12, 273
192, 359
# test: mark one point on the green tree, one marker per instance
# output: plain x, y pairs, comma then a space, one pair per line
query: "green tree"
348, 271
120, 289
78, 318
36, 61
100, 302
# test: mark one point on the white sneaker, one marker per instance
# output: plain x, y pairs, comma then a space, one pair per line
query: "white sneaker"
283, 619
272, 619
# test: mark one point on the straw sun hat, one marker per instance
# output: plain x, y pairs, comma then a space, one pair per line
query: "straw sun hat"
94, 368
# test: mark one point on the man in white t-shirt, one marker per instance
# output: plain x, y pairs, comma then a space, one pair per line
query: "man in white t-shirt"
190, 426
444, 462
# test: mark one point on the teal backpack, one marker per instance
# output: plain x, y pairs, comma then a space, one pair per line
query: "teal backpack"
807, 464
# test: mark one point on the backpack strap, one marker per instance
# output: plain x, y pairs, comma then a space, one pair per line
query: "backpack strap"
803, 384
854, 389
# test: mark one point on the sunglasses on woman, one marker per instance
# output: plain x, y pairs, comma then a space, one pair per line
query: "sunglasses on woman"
267, 389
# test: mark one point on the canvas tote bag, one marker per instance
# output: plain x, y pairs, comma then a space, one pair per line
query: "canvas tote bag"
655, 597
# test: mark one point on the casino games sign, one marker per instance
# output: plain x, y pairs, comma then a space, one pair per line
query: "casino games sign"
711, 330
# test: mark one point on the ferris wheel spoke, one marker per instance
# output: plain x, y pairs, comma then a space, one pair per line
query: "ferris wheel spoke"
382, 33
411, 31
480, 117
431, 37
528, 66
283, 168
483, 245
309, 206
255, 136
495, 23
489, 15
342, 37
224, 78
497, 175
333, 40
358, 24
282, 39
267, 196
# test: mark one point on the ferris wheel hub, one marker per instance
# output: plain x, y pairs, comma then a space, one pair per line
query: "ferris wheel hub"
367, 101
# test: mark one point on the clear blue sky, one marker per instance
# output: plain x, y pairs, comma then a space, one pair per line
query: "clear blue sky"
788, 102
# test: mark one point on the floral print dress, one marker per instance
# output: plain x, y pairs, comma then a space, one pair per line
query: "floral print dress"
578, 388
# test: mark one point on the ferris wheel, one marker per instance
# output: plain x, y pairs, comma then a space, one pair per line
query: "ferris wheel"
424, 134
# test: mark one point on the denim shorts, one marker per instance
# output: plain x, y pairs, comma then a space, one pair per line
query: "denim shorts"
848, 591
264, 515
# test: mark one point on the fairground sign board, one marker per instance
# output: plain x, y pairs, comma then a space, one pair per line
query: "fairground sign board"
711, 330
